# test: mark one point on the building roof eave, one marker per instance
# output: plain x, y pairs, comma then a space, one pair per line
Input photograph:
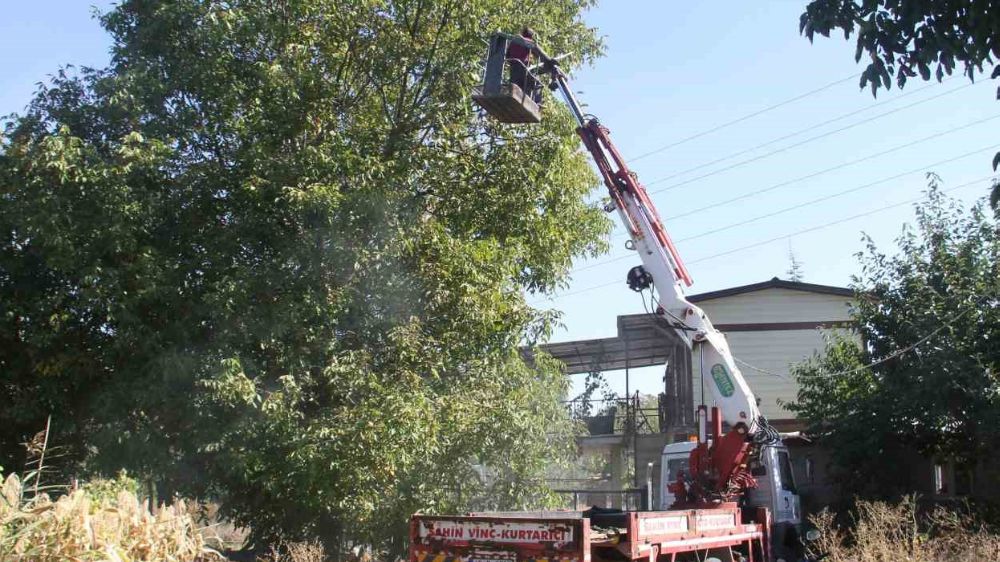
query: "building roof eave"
774, 283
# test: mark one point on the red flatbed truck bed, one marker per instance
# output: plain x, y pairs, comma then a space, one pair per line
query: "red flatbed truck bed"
653, 536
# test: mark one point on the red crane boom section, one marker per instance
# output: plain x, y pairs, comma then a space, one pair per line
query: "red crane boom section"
622, 182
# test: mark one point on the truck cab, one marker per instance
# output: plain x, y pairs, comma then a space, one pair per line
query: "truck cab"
775, 490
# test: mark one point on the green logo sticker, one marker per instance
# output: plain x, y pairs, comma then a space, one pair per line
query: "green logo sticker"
722, 380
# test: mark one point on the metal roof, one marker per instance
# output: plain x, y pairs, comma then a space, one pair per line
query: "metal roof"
774, 283
643, 340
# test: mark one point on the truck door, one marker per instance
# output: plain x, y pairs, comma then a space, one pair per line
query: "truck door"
787, 508
776, 486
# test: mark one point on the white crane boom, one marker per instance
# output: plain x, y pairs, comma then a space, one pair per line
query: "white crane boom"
720, 468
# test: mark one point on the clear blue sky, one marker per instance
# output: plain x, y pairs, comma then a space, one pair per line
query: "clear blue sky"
39, 37
677, 69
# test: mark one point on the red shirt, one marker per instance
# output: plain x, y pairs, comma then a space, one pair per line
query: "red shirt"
519, 52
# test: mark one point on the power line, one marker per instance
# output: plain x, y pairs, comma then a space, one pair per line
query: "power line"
602, 262
798, 144
777, 238
796, 133
760, 370
898, 353
823, 171
837, 194
836, 222
663, 331
833, 169
810, 176
744, 118
815, 174
812, 127
577, 292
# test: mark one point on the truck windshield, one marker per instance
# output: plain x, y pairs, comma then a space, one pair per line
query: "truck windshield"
675, 467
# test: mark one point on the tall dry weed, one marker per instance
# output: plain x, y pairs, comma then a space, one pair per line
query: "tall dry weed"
310, 551
884, 532
220, 534
78, 526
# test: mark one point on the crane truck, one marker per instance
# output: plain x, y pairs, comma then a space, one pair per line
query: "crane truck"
725, 488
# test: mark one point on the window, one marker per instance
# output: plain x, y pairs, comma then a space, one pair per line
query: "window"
675, 467
785, 470
810, 471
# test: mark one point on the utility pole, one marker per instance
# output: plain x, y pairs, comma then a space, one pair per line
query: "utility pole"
630, 417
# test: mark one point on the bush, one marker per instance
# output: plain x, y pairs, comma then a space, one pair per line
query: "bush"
108, 489
884, 532
82, 525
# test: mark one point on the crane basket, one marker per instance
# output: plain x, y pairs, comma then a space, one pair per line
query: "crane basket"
509, 92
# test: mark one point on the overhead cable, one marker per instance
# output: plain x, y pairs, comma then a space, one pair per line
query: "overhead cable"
834, 195
744, 118
807, 129
833, 223
897, 148
797, 144
775, 239
809, 176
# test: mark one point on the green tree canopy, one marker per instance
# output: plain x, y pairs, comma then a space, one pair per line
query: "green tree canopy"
928, 319
273, 255
909, 38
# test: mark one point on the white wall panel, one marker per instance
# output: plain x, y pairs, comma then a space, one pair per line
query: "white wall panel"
772, 350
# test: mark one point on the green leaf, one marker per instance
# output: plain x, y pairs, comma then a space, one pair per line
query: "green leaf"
925, 71
271, 255
926, 324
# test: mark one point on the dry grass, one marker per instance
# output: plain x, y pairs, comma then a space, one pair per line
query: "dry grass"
218, 533
885, 532
297, 552
82, 526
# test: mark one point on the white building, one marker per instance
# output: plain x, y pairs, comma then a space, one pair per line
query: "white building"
770, 326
